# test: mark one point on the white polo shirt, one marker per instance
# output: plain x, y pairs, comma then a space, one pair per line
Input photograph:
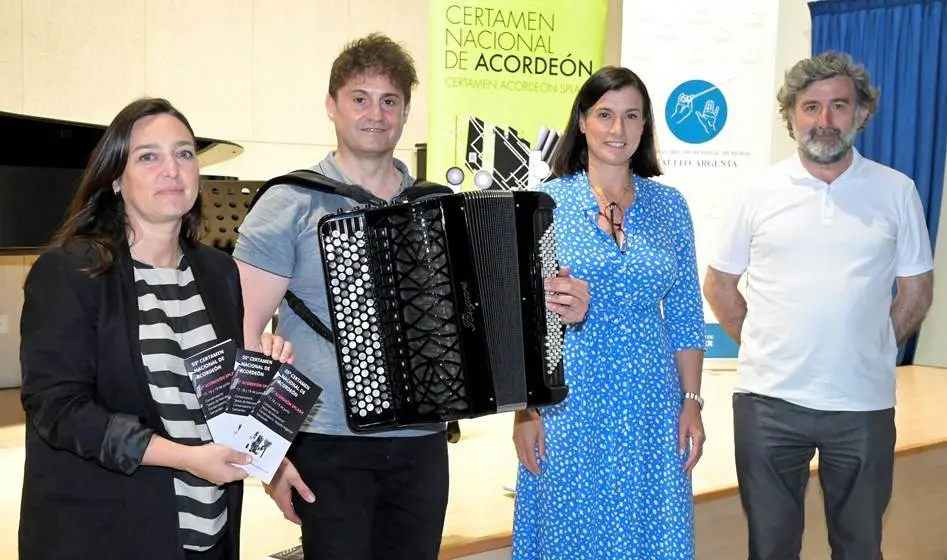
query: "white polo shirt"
821, 261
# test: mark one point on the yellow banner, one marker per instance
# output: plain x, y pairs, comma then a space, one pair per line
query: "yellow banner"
503, 76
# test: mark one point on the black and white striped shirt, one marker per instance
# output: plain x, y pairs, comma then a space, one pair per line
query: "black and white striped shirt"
174, 324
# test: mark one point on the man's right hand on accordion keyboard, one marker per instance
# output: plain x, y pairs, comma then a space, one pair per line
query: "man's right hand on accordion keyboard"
567, 296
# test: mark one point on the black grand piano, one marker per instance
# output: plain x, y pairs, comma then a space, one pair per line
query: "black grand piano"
41, 164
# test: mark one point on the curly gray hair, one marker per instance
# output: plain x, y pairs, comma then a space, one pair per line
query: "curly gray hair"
822, 67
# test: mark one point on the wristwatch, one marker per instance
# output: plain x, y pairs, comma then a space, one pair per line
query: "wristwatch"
695, 397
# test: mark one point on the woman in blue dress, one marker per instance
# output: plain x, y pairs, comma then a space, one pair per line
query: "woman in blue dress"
606, 473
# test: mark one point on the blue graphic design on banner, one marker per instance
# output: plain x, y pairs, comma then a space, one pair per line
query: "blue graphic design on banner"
696, 111
719, 343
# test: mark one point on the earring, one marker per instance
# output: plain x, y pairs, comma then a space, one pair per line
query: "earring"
116, 188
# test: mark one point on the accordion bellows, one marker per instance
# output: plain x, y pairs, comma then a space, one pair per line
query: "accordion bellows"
438, 307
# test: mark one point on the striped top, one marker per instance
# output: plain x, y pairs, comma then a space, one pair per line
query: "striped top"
174, 324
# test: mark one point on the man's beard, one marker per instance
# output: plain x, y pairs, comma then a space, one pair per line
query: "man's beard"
822, 152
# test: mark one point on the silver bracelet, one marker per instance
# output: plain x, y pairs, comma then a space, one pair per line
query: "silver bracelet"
695, 397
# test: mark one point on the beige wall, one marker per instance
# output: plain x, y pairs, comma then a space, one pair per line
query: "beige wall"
251, 71
12, 274
793, 43
931, 350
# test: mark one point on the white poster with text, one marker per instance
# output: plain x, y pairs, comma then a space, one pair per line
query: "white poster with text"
710, 71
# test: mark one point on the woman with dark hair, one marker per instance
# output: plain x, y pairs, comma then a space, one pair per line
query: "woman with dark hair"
119, 460
606, 473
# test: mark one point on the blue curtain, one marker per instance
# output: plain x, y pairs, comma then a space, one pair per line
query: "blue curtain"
903, 44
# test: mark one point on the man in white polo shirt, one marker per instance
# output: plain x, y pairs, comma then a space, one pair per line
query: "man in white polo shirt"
822, 237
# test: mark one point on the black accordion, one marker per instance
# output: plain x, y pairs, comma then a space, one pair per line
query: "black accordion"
438, 310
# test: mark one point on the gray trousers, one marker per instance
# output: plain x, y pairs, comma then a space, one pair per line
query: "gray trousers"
774, 441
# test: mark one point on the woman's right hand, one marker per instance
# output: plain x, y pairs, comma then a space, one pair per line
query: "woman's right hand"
529, 437
215, 463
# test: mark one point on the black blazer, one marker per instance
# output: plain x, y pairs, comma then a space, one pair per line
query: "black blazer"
89, 412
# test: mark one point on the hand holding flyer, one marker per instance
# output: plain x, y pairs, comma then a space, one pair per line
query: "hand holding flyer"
251, 402
270, 428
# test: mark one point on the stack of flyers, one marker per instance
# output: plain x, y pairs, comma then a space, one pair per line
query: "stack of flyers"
251, 402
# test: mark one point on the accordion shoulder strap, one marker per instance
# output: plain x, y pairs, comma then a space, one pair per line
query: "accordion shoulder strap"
308, 317
422, 189
309, 179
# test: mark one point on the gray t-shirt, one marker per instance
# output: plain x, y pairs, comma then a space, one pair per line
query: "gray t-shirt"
280, 236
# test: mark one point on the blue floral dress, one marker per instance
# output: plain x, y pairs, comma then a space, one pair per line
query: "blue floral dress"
613, 483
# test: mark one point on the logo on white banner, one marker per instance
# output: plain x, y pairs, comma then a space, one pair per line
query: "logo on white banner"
696, 111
